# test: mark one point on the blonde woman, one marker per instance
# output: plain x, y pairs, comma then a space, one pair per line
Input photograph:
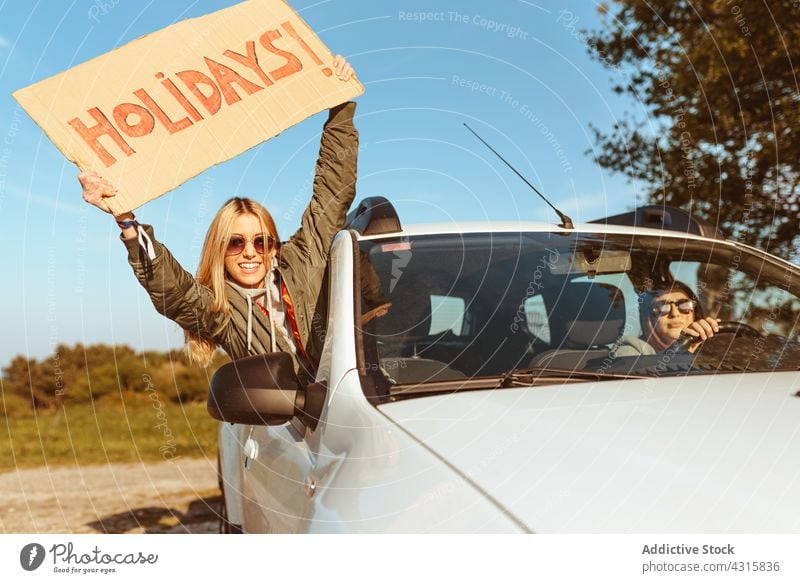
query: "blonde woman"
252, 294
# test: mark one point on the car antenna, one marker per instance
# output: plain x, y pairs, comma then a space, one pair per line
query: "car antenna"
566, 222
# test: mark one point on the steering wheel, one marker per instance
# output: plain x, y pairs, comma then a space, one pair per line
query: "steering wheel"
684, 341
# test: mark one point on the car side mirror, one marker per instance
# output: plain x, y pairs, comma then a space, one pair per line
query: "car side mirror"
263, 390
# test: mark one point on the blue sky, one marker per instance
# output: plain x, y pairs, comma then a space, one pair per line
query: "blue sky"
516, 71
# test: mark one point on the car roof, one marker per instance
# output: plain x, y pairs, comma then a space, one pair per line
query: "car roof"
453, 228
459, 227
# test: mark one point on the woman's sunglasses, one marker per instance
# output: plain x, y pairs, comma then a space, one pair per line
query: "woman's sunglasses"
659, 309
237, 243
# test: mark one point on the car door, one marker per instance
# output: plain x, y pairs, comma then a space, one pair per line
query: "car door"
276, 464
278, 460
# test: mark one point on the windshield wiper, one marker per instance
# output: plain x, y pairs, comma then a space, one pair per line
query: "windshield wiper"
528, 376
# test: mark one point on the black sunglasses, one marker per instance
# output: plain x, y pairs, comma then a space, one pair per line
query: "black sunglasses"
237, 243
685, 306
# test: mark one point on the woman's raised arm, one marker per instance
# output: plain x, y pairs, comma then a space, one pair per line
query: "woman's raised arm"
174, 291
334, 182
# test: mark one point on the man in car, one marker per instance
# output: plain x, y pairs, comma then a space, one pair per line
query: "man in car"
664, 314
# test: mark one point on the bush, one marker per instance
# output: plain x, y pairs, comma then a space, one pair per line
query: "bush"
13, 405
80, 374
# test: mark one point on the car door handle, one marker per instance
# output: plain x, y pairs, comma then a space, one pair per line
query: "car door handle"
310, 486
250, 452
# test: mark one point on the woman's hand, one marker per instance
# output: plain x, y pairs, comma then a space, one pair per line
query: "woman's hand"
344, 70
703, 329
97, 190
378, 312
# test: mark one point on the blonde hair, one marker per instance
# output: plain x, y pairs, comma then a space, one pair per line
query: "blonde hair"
211, 270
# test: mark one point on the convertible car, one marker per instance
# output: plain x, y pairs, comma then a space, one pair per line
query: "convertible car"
473, 380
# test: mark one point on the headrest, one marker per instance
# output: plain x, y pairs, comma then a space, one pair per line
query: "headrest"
409, 316
588, 314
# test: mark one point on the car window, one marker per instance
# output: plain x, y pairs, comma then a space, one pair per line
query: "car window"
536, 318
731, 294
483, 304
447, 313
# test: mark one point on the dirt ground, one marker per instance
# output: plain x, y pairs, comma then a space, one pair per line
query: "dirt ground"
179, 496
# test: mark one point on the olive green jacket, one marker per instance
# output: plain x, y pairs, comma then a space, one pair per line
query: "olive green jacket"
302, 261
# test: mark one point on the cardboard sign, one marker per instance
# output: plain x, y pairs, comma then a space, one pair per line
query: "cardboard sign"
152, 114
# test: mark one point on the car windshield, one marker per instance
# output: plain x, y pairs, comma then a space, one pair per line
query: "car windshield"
469, 306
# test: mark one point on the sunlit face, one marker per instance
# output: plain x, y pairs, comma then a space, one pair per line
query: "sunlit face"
248, 268
664, 329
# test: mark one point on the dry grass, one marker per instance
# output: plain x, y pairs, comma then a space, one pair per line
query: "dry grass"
121, 429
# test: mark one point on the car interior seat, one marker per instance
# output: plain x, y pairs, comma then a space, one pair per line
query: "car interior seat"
409, 352
585, 319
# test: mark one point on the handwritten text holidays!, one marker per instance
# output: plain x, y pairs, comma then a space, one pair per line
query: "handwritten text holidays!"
135, 120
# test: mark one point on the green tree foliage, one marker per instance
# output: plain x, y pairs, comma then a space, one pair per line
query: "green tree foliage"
719, 82
80, 374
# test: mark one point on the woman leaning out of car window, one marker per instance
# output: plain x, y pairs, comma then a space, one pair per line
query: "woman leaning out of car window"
252, 294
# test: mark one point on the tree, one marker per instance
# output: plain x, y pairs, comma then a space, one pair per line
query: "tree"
78, 374
719, 82
32, 381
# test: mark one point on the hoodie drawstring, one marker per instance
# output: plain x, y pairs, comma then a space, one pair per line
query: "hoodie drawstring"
272, 329
269, 307
249, 322
146, 243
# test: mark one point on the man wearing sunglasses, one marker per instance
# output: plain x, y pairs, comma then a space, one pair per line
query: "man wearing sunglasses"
664, 314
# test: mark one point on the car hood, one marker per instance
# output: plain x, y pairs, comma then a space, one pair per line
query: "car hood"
691, 454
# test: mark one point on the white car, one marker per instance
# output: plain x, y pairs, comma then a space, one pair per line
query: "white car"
491, 397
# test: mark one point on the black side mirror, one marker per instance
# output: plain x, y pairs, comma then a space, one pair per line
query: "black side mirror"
263, 390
